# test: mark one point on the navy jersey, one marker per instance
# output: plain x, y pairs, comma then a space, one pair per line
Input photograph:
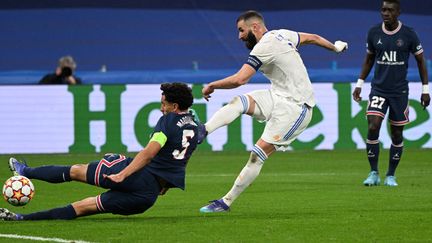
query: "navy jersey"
392, 50
170, 162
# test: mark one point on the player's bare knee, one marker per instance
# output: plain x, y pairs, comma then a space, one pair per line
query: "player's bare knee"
374, 127
86, 206
397, 138
78, 172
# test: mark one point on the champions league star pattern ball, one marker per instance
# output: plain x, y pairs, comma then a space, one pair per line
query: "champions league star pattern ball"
18, 190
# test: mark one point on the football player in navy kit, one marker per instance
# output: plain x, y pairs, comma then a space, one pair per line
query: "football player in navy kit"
389, 45
134, 183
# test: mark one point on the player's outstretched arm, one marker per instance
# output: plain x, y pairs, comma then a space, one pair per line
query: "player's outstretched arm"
240, 78
307, 38
425, 97
141, 159
366, 68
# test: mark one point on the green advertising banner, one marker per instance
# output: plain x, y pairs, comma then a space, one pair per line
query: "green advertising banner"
120, 118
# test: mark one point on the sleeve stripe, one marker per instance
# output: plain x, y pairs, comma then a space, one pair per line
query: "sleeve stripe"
159, 137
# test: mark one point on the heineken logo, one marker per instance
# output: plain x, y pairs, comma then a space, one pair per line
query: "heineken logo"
120, 118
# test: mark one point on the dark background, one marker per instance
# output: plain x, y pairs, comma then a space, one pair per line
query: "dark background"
169, 35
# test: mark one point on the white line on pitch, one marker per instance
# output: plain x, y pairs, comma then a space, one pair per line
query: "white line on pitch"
27, 237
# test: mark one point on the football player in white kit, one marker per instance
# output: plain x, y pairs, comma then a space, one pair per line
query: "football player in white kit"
286, 106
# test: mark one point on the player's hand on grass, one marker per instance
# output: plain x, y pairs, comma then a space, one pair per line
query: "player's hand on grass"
356, 94
206, 91
117, 178
425, 100
340, 46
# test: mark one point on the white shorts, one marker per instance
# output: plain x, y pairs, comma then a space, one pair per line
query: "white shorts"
285, 118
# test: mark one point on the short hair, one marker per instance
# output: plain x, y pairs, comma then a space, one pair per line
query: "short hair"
397, 2
178, 93
67, 61
249, 15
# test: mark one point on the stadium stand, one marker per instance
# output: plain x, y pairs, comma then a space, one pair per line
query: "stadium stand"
191, 41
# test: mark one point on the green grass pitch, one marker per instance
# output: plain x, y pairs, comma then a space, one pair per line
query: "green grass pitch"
302, 196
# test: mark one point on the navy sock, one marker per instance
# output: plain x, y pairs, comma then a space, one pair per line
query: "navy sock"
395, 156
67, 212
49, 173
372, 149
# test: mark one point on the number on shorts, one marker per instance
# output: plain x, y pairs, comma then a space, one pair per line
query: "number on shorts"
377, 102
187, 135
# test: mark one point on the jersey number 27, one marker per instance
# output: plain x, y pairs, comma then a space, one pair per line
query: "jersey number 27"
377, 102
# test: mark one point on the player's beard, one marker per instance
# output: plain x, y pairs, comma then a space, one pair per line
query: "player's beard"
250, 41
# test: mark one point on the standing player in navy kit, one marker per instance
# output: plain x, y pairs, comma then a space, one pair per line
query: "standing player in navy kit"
134, 183
389, 45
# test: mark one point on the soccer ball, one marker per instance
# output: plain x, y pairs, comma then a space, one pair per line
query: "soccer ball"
18, 190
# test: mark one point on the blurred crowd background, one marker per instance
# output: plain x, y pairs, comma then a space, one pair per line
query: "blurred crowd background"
156, 37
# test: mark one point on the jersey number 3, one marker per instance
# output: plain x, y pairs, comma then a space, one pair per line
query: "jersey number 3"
187, 135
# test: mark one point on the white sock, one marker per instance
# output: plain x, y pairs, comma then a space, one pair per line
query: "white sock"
224, 116
248, 174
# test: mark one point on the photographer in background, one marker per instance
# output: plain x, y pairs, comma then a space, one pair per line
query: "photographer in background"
64, 73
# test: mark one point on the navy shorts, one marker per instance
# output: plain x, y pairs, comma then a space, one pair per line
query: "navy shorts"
398, 108
134, 195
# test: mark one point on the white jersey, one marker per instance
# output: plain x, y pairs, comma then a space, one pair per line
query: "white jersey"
277, 57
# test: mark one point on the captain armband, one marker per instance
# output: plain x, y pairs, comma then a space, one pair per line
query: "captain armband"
425, 89
254, 62
360, 83
159, 137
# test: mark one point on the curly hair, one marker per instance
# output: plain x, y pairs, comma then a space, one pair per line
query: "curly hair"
178, 93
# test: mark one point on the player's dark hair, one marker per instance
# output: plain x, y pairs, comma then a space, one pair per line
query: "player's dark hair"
250, 14
397, 2
178, 93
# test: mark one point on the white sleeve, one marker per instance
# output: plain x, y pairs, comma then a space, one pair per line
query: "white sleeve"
260, 54
292, 36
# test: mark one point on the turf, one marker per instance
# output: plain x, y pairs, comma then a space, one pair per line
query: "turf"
304, 196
